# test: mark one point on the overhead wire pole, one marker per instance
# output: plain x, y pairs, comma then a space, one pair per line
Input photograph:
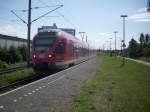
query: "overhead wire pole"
29, 26
110, 47
82, 35
121, 48
107, 45
29, 33
115, 41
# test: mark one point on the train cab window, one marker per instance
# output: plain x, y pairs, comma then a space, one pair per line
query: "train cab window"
60, 49
44, 40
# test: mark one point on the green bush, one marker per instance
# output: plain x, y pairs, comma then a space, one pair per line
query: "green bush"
23, 50
146, 52
142, 49
15, 56
3, 64
12, 54
4, 55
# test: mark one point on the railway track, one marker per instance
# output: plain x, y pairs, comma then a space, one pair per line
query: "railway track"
9, 70
25, 81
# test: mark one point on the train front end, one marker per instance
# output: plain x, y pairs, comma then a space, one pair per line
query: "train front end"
43, 49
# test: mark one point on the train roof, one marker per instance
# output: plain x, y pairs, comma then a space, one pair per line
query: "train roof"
67, 35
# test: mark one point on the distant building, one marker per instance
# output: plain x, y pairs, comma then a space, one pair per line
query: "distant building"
7, 41
68, 30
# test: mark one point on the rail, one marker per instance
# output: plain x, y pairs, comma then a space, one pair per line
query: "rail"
9, 70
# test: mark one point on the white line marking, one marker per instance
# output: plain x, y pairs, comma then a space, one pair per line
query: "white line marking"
57, 79
43, 86
1, 107
14, 100
29, 93
36, 89
25, 95
40, 87
33, 91
62, 76
43, 78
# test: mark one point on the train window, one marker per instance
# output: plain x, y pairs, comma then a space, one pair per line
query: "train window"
47, 33
60, 49
42, 43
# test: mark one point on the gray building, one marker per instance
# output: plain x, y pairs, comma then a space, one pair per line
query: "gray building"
7, 41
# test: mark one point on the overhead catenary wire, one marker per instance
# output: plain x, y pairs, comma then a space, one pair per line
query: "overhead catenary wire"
64, 17
19, 17
59, 6
37, 7
46, 13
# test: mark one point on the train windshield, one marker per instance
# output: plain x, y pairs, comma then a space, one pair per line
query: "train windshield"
43, 41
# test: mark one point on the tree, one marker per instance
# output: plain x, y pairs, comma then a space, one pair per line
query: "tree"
133, 49
147, 40
142, 39
4, 55
14, 55
23, 51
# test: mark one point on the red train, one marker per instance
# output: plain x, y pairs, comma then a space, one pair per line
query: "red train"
57, 49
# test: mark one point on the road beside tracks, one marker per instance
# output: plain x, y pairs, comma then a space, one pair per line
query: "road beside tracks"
52, 93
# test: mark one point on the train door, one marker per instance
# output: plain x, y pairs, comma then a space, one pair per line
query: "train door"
77, 52
60, 51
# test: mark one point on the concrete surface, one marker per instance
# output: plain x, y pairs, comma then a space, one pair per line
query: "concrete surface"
50, 94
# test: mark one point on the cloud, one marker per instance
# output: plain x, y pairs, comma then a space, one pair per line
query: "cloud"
12, 31
141, 15
142, 10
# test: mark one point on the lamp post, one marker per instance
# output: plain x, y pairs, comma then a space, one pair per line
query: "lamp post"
148, 6
82, 35
103, 47
124, 45
110, 46
115, 41
107, 45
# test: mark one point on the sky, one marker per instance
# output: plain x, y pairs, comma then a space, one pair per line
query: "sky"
98, 18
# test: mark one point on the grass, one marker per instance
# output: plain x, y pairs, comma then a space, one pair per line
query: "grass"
16, 76
115, 88
4, 65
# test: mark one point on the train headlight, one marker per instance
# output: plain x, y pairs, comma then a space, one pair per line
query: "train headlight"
34, 56
49, 55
